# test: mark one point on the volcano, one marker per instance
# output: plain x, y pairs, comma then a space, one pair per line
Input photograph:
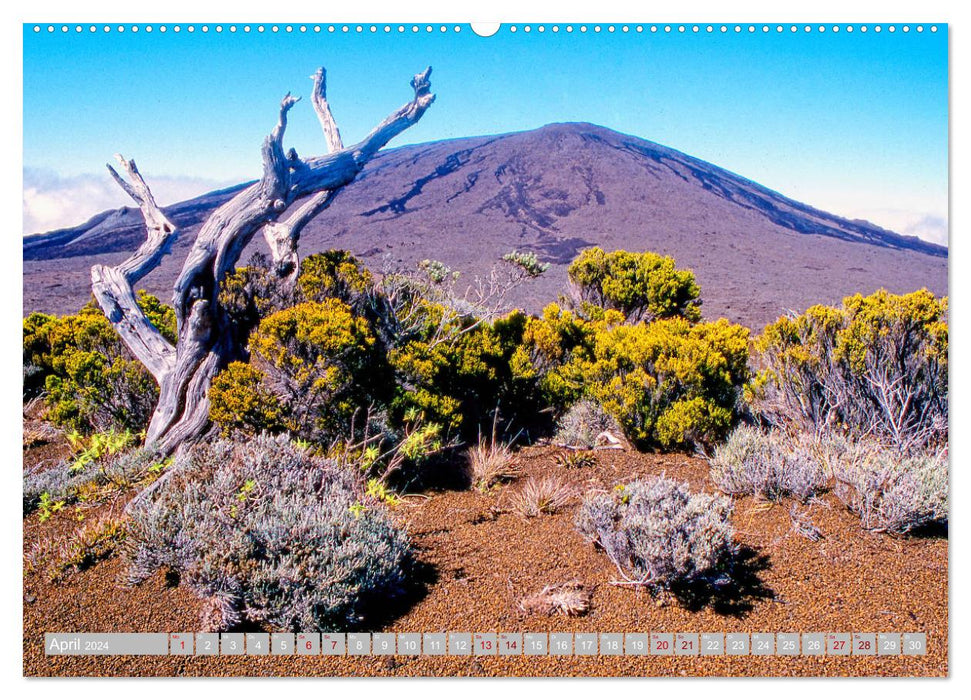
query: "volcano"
553, 191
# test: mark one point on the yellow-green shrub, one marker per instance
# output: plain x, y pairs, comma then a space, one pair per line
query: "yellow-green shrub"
642, 286
92, 381
670, 382
461, 382
239, 400
334, 273
312, 367
552, 353
875, 365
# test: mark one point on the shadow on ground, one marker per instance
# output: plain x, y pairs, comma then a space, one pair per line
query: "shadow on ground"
735, 592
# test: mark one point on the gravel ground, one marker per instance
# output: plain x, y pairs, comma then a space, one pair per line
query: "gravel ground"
478, 560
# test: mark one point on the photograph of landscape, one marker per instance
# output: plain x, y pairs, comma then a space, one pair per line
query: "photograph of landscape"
608, 330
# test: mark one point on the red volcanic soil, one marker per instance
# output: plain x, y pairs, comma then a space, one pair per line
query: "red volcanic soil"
478, 559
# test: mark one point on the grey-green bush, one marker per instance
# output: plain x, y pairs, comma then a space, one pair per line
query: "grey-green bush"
757, 463
892, 492
269, 534
582, 424
657, 533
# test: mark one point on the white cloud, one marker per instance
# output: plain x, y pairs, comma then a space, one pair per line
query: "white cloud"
930, 226
52, 201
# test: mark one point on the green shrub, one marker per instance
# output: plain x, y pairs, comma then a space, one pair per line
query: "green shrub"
240, 400
37, 352
92, 382
552, 355
334, 274
671, 382
268, 534
877, 366
641, 286
657, 533
322, 364
462, 381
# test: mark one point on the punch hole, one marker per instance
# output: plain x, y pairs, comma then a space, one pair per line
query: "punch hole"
485, 29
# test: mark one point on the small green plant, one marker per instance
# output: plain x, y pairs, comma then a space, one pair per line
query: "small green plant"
48, 506
527, 262
576, 460
97, 446
377, 490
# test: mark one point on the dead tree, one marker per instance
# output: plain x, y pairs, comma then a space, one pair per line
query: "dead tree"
291, 191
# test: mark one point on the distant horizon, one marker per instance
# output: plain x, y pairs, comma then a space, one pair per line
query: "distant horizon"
391, 148
852, 124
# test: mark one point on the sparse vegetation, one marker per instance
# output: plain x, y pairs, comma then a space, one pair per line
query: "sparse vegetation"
491, 462
583, 425
544, 495
58, 556
875, 367
576, 459
762, 464
658, 533
302, 550
571, 599
893, 492
51, 489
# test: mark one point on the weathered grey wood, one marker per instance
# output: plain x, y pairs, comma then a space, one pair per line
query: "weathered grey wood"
319, 97
206, 342
113, 286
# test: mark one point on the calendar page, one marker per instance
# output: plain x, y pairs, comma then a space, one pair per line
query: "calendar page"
513, 350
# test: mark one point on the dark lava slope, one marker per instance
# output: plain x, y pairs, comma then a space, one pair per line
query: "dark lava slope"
554, 190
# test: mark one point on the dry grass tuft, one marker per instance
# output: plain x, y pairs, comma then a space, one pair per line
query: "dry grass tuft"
492, 462
544, 496
571, 599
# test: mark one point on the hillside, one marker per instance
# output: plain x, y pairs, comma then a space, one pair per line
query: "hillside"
553, 190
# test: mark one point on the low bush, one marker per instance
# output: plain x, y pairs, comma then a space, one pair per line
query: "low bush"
893, 492
268, 534
317, 360
583, 424
641, 286
657, 533
91, 381
756, 463
874, 367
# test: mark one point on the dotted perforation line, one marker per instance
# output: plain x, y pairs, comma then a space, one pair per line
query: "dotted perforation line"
512, 28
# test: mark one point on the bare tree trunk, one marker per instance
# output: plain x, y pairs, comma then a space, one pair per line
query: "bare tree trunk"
206, 342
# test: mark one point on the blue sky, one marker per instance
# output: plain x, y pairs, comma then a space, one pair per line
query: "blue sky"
855, 123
